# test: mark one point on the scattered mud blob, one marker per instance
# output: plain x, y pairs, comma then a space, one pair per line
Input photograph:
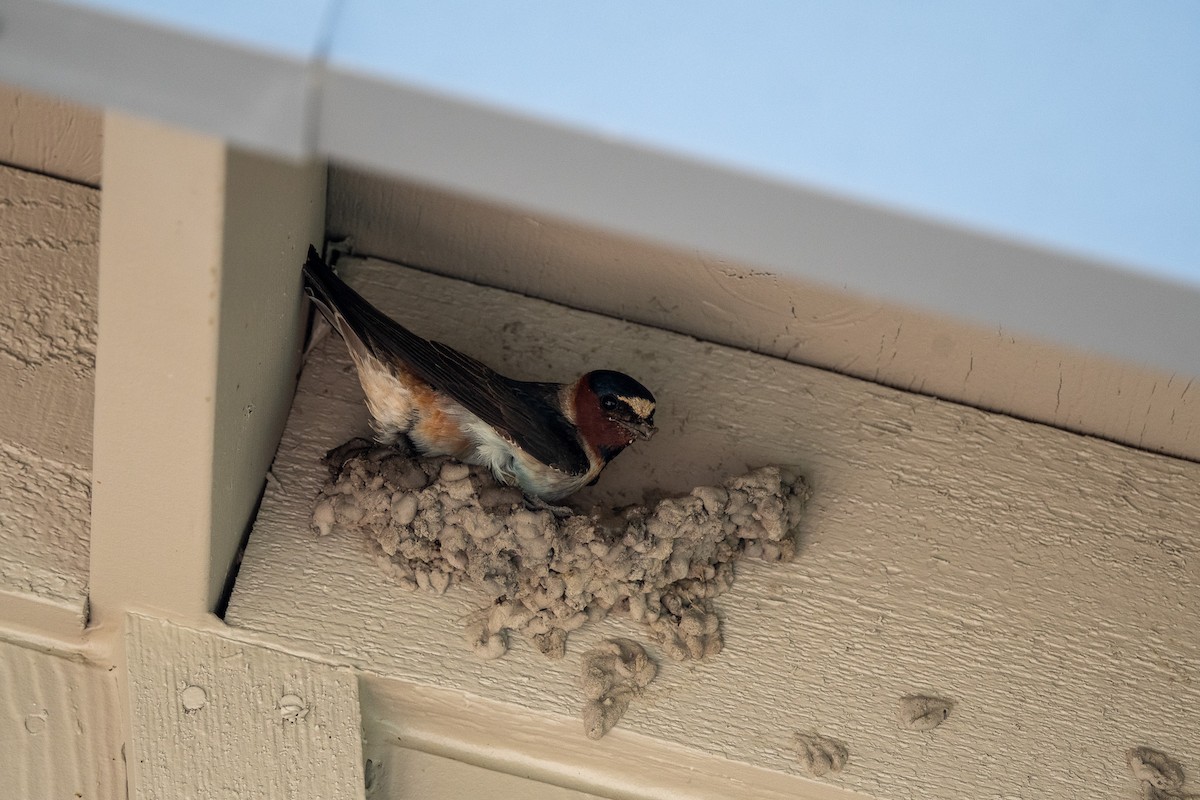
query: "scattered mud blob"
436, 522
821, 755
613, 673
921, 713
1161, 775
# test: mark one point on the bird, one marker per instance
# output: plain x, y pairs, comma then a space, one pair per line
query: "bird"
547, 439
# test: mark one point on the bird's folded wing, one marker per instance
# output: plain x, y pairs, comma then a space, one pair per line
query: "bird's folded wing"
527, 414
524, 413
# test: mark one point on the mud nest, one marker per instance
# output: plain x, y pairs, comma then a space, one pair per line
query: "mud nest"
434, 522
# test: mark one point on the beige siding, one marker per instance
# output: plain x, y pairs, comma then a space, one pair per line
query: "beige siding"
44, 134
1044, 582
59, 728
48, 256
214, 718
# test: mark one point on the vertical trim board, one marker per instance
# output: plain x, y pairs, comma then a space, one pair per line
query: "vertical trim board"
200, 330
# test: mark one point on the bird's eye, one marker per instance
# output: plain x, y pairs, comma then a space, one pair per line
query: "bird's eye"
608, 404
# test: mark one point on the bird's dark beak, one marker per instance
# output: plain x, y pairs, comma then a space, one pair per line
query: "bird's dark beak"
641, 428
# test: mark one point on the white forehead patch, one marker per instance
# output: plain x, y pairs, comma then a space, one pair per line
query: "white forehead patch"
640, 405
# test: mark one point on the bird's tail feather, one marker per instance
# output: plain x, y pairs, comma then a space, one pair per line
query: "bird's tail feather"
344, 308
372, 335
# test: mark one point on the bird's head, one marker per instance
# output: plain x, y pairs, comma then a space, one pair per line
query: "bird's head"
612, 411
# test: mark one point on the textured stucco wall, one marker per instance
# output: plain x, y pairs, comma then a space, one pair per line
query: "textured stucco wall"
49, 232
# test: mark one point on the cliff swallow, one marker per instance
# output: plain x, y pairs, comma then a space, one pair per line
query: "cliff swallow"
549, 439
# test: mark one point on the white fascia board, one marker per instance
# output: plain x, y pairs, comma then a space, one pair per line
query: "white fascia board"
249, 80
1012, 164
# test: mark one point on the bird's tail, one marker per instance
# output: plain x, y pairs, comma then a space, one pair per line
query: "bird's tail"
369, 333
346, 310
